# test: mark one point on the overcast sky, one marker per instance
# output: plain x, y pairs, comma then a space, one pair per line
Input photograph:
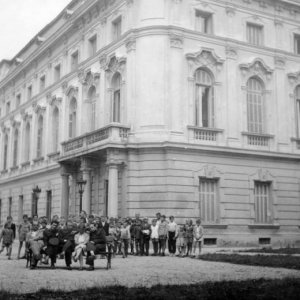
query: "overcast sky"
21, 20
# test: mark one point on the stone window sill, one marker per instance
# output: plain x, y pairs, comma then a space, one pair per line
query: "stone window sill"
264, 226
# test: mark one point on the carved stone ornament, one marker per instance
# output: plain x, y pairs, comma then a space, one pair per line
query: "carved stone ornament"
25, 116
230, 11
263, 175
72, 91
176, 41
54, 100
115, 64
14, 123
4, 129
279, 62
204, 58
231, 52
294, 78
258, 68
68, 14
207, 171
88, 78
131, 44
38, 109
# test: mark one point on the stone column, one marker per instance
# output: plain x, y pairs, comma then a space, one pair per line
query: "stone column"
113, 190
86, 197
64, 192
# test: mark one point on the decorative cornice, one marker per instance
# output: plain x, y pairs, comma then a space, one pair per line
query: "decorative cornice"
256, 67
87, 77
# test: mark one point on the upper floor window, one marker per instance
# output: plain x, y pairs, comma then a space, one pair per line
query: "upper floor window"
204, 99
297, 104
57, 73
255, 106
92, 101
27, 143
29, 92
117, 28
55, 129
9, 206
5, 152
42, 83
40, 130
297, 43
18, 100
74, 60
262, 202
254, 34
7, 107
116, 98
203, 22
16, 148
0, 211
208, 197
72, 118
93, 45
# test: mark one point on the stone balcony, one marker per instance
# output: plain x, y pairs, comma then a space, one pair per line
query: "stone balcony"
115, 133
204, 135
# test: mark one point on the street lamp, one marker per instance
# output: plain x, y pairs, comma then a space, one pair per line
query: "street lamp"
36, 191
81, 183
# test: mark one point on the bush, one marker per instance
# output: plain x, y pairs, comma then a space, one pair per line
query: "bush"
276, 251
231, 290
276, 261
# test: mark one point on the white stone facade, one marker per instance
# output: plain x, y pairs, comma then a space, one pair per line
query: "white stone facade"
190, 108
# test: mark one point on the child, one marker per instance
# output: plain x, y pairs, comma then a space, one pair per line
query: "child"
162, 235
125, 237
189, 229
81, 240
181, 241
7, 237
146, 234
198, 236
24, 228
112, 231
154, 236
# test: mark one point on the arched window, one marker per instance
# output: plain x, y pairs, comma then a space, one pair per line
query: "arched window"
72, 118
255, 105
5, 152
27, 143
55, 129
116, 98
92, 101
204, 99
16, 148
40, 130
297, 100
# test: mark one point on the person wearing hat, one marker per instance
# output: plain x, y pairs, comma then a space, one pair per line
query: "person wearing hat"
51, 242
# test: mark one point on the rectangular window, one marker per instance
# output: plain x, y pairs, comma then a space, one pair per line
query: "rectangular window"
9, 206
7, 107
49, 205
203, 22
74, 61
93, 45
116, 106
262, 202
29, 92
34, 204
20, 208
42, 83
39, 142
297, 43
93, 116
254, 34
0, 211
208, 196
57, 73
18, 100
117, 28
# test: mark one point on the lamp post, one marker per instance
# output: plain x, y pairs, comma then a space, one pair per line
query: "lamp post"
81, 183
36, 191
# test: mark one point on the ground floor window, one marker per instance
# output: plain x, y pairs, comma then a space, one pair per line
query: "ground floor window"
208, 197
262, 202
49, 205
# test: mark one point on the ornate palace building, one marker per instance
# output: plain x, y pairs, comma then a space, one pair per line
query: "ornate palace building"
187, 107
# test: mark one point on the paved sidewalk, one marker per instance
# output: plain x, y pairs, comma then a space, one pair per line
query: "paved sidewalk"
132, 271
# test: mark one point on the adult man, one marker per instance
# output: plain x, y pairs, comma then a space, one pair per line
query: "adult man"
66, 237
96, 245
105, 225
51, 242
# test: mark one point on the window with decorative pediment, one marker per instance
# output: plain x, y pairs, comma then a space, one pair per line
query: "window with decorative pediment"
5, 152
55, 129
72, 118
27, 143
204, 99
255, 105
16, 148
262, 202
116, 98
92, 101
40, 132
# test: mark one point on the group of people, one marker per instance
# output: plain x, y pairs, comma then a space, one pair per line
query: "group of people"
83, 235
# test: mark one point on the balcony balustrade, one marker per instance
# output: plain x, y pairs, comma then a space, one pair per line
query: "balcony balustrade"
204, 134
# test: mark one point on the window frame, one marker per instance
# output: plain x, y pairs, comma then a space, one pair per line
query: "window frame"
57, 72
257, 40
39, 143
296, 40
263, 217
117, 28
207, 21
93, 46
74, 60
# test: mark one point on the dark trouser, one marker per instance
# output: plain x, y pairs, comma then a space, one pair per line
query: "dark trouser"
68, 248
145, 246
52, 251
172, 243
98, 249
132, 245
155, 246
125, 243
138, 246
